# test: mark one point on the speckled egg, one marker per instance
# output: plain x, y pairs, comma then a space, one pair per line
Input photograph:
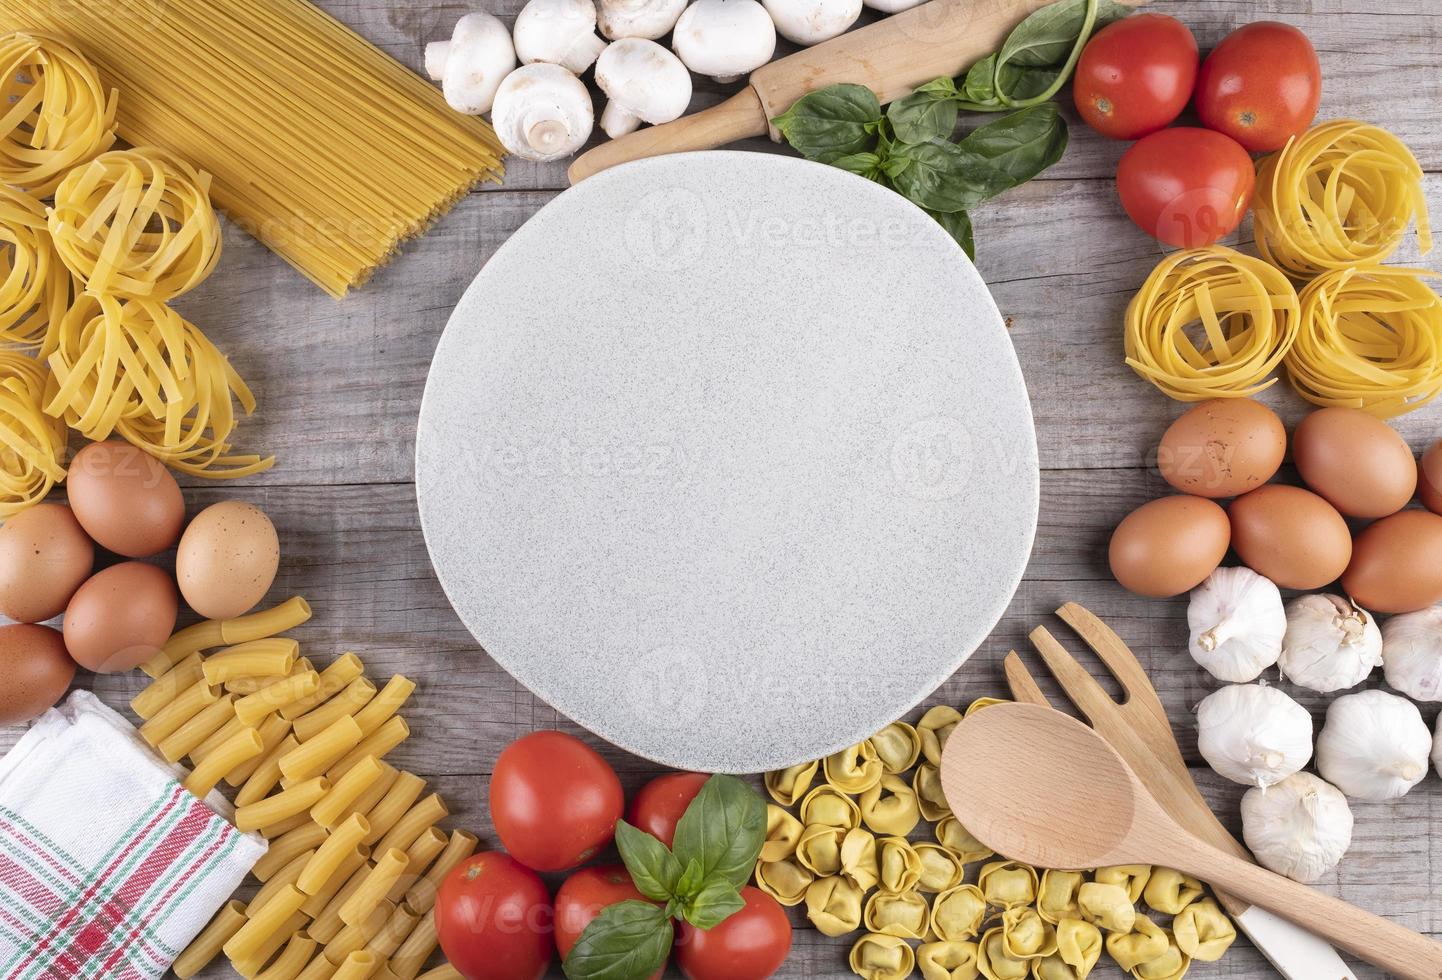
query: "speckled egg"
125, 499
44, 557
1223, 448
37, 671
227, 559
121, 617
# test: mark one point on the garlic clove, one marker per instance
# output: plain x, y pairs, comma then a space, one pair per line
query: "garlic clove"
1237, 623
1374, 746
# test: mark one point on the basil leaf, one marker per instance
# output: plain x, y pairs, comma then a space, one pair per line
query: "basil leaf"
867, 165
832, 122
944, 177
714, 904
723, 830
958, 226
1022, 144
924, 114
979, 86
627, 941
1046, 37
691, 880
653, 868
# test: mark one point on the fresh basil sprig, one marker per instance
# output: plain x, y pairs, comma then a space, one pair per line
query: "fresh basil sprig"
699, 879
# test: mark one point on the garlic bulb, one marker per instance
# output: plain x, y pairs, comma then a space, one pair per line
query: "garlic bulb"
1412, 653
1300, 827
1437, 747
1373, 746
1253, 734
1330, 645
1237, 623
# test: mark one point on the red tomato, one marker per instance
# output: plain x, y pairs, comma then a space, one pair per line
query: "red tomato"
585, 895
1186, 186
554, 801
660, 803
494, 919
1136, 75
750, 945
1261, 85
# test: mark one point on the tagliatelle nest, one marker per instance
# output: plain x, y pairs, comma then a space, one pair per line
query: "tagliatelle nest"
1211, 323
32, 444
35, 286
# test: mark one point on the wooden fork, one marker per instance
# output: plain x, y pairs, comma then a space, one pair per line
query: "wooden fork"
1137, 727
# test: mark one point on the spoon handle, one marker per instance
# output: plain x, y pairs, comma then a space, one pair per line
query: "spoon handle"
1381, 942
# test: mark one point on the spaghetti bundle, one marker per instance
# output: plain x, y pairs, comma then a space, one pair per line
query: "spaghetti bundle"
136, 223
1341, 194
32, 443
137, 368
36, 286
1371, 338
1242, 311
320, 144
54, 114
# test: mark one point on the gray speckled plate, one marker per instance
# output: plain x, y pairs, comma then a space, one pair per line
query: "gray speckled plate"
728, 457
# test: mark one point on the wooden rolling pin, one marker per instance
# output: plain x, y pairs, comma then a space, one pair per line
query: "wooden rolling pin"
891, 57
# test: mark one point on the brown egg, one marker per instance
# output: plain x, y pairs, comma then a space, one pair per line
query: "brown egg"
1169, 546
44, 558
125, 499
1429, 478
1397, 564
1357, 462
37, 671
227, 559
1223, 448
121, 617
1291, 536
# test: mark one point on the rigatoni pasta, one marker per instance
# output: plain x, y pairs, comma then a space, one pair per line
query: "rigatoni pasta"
394, 805
288, 875
253, 708
416, 948
378, 743
214, 633
267, 774
186, 706
288, 803
288, 964
335, 805
425, 849
422, 895
272, 732
372, 892
314, 756
272, 657
210, 719
284, 848
263, 922
207, 945
327, 923
165, 688
401, 923
342, 841
385, 704
342, 671
351, 699
426, 813
244, 744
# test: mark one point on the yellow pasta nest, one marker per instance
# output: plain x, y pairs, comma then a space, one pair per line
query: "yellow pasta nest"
32, 443
1211, 323
1370, 339
56, 116
136, 223
138, 369
35, 286
1341, 194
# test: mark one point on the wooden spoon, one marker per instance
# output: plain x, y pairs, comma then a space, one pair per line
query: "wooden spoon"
1040, 787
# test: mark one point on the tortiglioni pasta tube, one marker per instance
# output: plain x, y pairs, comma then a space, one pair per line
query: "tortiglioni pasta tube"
336, 804
394, 931
352, 938
385, 704
333, 679
361, 906
375, 792
422, 894
327, 918
263, 923
395, 804
311, 758
272, 732
351, 699
337, 846
419, 855
283, 849
318, 968
287, 965
357, 966
258, 658
253, 708
207, 722
287, 875
244, 744
251, 965
216, 738
266, 775
426, 813
416, 948
167, 687
378, 743
206, 946
186, 706
283, 805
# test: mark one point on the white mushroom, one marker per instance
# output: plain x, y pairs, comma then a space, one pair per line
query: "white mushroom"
542, 112
892, 6
725, 39
559, 32
812, 21
471, 65
649, 19
643, 82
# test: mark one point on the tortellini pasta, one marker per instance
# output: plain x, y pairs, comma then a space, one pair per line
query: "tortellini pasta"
1007, 884
783, 831
898, 863
940, 869
1132, 877
902, 914
882, 958
948, 961
827, 806
1144, 943
1106, 906
1171, 965
890, 807
897, 746
959, 841
1169, 891
926, 784
994, 962
1079, 944
859, 859
1026, 935
957, 914
1053, 967
854, 769
1057, 897
787, 786
1203, 931
934, 729
819, 849
834, 906
784, 880
980, 703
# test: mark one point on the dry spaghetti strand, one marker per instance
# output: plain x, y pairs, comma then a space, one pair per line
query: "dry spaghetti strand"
32, 444
1371, 338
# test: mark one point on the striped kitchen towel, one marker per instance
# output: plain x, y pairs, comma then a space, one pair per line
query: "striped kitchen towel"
108, 867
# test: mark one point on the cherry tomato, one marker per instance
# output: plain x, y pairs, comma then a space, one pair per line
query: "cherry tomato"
554, 801
1261, 85
1135, 75
1186, 186
585, 895
750, 945
494, 919
660, 803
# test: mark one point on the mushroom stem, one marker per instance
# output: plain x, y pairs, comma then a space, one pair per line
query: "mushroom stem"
437, 53
616, 120
546, 135
583, 53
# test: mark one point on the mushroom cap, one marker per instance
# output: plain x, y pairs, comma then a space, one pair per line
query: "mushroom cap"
724, 37
649, 19
542, 112
893, 6
559, 32
812, 21
644, 79
472, 66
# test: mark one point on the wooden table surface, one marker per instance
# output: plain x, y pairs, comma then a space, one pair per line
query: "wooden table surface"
339, 385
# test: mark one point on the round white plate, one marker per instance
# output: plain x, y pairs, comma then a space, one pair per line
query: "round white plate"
728, 457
